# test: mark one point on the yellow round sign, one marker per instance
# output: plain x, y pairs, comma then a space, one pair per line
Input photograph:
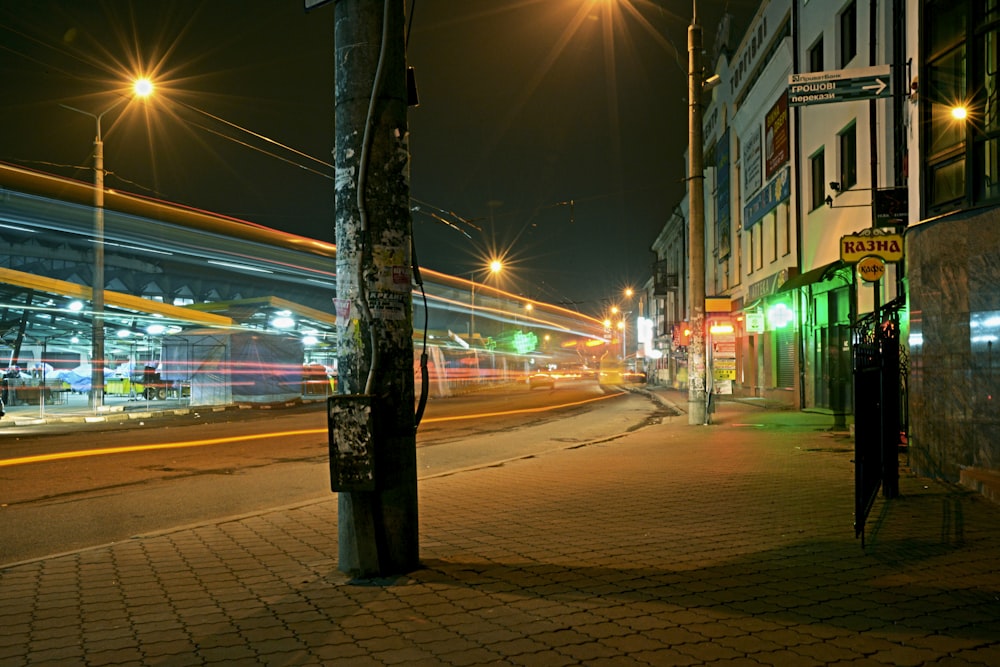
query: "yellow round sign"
871, 268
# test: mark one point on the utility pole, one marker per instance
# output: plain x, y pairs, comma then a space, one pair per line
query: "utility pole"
696, 239
377, 521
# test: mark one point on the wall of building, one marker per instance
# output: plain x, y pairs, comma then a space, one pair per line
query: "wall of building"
953, 268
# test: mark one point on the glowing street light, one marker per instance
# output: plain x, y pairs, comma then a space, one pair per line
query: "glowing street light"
141, 88
494, 267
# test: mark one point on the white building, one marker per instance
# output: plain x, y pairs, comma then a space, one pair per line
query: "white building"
863, 145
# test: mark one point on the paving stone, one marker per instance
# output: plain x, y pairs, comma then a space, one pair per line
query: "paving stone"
533, 563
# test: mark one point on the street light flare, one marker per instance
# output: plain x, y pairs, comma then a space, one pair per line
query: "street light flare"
142, 87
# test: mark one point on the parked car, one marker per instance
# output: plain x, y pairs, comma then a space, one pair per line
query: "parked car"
541, 380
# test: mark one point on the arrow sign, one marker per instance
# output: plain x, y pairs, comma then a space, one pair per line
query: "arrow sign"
860, 83
878, 87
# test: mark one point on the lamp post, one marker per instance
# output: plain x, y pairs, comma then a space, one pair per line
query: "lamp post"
141, 88
628, 293
696, 238
495, 266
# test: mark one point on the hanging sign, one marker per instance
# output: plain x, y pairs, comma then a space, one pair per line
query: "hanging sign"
856, 247
871, 268
754, 322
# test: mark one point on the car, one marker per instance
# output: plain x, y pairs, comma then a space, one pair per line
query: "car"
541, 380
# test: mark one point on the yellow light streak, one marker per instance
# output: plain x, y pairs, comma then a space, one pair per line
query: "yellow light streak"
524, 410
106, 451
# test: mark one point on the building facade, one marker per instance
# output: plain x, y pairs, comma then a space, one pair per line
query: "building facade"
856, 119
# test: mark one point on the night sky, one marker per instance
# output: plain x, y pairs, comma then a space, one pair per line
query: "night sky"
551, 132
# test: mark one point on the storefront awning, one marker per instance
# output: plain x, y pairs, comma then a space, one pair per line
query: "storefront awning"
819, 274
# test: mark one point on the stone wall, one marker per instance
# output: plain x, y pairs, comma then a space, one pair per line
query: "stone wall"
953, 291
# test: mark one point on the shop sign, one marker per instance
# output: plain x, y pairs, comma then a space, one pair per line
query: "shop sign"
754, 322
766, 286
856, 247
892, 206
776, 136
777, 190
871, 269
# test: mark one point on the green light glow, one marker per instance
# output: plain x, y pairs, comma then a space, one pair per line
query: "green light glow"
780, 315
524, 342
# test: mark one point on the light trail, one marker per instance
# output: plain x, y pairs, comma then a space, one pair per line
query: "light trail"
83, 453
208, 442
522, 411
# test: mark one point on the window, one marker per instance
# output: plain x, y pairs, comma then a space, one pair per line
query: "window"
848, 34
816, 56
985, 68
848, 140
738, 255
788, 231
817, 170
774, 236
758, 230
962, 55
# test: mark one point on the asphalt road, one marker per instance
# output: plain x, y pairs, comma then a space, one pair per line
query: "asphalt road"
116, 483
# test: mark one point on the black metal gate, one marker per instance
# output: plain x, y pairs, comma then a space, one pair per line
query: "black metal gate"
879, 409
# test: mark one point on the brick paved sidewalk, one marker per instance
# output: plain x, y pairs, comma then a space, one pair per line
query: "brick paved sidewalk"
673, 545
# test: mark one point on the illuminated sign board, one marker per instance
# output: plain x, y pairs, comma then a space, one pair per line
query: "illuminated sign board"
856, 247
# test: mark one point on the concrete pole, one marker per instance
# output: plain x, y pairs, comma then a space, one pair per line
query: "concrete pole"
377, 530
97, 289
696, 239
97, 286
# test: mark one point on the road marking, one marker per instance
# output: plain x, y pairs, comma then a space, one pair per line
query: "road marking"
57, 456
62, 456
523, 410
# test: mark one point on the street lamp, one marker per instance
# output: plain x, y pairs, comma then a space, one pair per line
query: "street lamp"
141, 88
495, 266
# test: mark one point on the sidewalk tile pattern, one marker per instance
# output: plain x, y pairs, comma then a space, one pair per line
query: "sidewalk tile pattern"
729, 544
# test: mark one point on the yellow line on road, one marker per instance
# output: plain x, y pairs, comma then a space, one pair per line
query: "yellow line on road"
523, 410
60, 456
56, 456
